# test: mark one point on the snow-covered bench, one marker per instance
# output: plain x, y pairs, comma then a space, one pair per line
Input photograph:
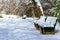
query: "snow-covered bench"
46, 24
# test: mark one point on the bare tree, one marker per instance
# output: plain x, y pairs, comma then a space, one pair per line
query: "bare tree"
12, 7
23, 7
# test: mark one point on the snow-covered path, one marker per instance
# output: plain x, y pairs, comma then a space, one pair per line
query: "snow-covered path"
22, 29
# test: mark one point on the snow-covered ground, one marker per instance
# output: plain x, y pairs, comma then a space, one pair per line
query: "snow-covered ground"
23, 29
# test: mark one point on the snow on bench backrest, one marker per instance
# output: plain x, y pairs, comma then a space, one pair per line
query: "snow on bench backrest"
42, 19
51, 20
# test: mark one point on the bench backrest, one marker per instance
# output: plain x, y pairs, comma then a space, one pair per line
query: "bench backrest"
51, 20
42, 19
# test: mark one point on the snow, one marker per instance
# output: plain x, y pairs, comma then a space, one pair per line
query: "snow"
42, 19
22, 29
